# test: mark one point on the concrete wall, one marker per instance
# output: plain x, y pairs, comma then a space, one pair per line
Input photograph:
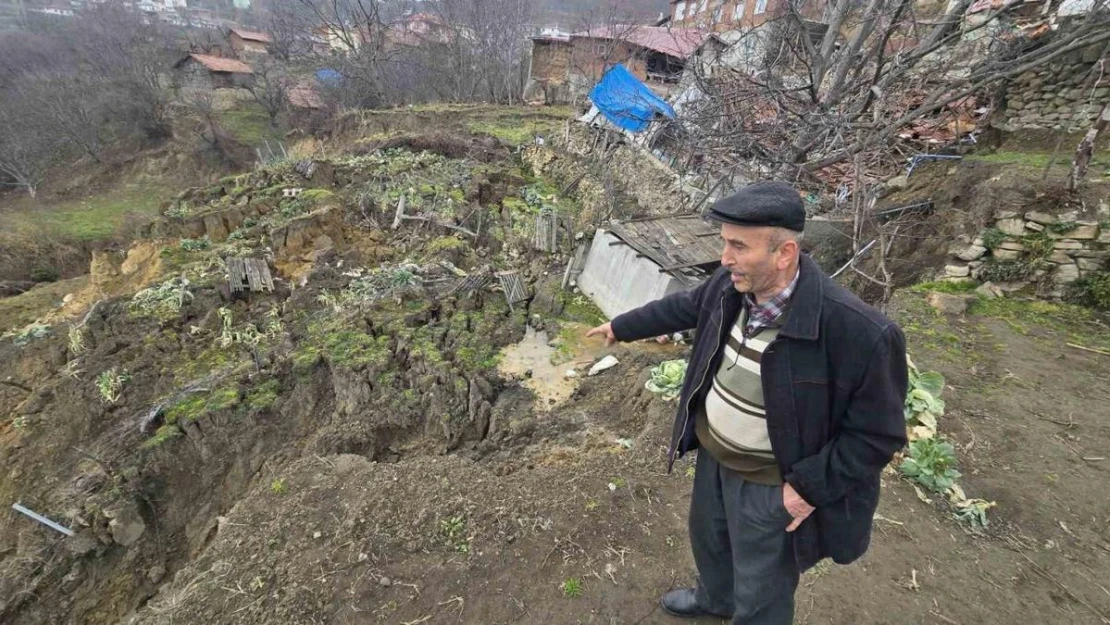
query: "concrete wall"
617, 281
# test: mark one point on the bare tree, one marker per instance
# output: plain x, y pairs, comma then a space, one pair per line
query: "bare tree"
71, 106
26, 151
489, 40
1086, 148
269, 86
131, 55
809, 92
353, 34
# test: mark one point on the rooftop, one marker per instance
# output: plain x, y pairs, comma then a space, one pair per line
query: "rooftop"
251, 35
221, 64
677, 42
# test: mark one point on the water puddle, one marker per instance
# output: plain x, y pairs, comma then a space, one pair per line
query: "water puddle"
549, 382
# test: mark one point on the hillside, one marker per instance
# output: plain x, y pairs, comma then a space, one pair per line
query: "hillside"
384, 437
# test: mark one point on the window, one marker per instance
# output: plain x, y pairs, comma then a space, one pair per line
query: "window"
701, 7
738, 12
602, 49
680, 11
760, 6
717, 15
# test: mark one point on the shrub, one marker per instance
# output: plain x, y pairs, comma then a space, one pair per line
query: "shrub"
992, 238
162, 300
1006, 270
110, 384
45, 274
196, 245
1092, 290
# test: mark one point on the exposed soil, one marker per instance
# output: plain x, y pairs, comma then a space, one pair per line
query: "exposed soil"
359, 459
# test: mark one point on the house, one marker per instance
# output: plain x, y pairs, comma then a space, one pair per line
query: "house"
562, 68
245, 43
725, 15
206, 72
415, 29
549, 71
328, 39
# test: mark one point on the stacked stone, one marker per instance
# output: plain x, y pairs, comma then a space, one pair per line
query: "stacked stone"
1081, 250
1057, 96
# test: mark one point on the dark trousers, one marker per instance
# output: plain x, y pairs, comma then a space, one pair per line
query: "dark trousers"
745, 556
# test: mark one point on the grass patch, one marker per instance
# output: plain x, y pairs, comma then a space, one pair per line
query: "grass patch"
161, 436
250, 124
580, 309
262, 396
22, 309
944, 286
1038, 160
197, 405
334, 340
445, 244
93, 218
1081, 325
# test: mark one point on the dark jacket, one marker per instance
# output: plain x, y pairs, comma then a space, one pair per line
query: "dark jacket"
834, 385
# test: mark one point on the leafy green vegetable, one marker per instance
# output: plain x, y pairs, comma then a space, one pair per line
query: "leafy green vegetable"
666, 379
923, 403
931, 463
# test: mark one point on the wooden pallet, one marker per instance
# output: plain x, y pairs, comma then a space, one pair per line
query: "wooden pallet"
513, 287
249, 274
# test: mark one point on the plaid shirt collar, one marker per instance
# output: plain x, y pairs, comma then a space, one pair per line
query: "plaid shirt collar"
766, 314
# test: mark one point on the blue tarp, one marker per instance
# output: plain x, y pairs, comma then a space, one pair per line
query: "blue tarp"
626, 101
329, 76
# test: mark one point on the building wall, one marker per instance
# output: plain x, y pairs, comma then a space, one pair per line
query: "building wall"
549, 73
245, 47
722, 15
550, 61
591, 57
617, 281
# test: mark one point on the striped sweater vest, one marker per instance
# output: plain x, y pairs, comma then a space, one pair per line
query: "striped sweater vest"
732, 426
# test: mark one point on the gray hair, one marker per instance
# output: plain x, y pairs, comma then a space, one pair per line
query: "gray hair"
782, 235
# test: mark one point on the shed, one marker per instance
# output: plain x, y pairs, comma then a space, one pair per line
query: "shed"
248, 42
641, 260
637, 261
211, 72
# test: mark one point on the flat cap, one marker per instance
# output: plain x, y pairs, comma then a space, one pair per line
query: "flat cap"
769, 203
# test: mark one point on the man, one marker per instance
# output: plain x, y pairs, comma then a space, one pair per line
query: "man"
794, 393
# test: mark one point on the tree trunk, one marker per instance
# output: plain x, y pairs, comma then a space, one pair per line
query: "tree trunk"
1086, 148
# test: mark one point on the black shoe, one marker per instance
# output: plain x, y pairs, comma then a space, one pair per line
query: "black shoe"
683, 602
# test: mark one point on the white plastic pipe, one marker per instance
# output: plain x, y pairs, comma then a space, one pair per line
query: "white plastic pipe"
41, 519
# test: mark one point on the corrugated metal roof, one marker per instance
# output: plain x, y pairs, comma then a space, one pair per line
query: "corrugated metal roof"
251, 35
673, 242
221, 64
677, 42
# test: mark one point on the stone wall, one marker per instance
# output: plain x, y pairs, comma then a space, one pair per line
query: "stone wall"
1064, 95
1035, 248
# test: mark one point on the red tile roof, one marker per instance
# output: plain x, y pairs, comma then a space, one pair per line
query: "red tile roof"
677, 42
221, 64
251, 35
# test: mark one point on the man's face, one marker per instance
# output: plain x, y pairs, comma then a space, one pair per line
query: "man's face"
749, 257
